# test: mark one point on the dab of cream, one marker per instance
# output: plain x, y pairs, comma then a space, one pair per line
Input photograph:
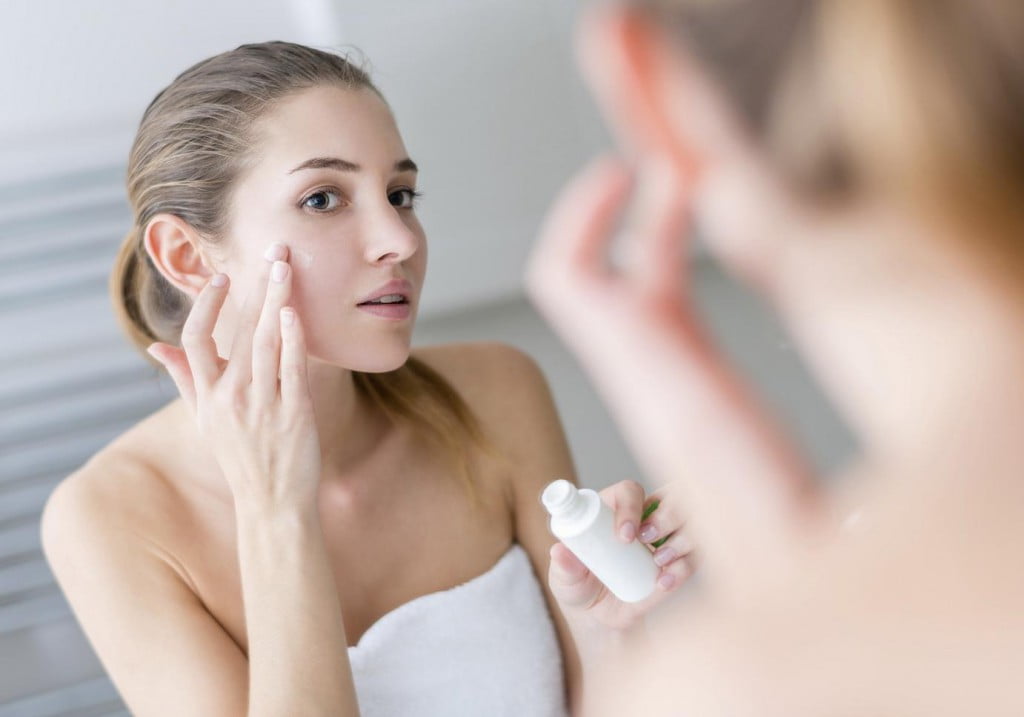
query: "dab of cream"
303, 258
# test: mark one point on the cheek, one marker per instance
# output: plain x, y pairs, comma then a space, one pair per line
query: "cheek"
301, 258
323, 287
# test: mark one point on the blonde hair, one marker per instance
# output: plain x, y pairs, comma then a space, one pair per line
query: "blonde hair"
193, 141
918, 99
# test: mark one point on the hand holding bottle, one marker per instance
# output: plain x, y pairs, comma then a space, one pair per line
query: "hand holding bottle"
636, 519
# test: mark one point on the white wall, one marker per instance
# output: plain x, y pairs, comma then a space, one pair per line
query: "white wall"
485, 94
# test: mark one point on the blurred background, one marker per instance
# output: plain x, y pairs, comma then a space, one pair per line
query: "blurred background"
491, 108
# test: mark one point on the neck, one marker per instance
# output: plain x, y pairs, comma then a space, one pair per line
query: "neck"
348, 426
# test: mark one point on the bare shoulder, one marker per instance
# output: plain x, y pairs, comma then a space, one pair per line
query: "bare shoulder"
489, 375
118, 496
104, 534
509, 393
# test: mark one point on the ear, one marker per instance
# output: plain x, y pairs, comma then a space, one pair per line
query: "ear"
654, 95
174, 248
660, 102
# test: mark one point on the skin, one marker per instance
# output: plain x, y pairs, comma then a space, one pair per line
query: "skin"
912, 609
269, 433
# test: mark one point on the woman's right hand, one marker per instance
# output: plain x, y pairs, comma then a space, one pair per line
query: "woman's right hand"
261, 430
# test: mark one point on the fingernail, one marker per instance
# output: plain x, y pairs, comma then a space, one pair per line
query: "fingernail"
218, 280
648, 532
279, 272
664, 556
628, 531
274, 252
667, 581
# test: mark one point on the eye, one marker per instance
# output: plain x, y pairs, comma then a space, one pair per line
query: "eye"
405, 198
319, 200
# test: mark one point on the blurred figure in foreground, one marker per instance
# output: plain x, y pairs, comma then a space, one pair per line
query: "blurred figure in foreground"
861, 165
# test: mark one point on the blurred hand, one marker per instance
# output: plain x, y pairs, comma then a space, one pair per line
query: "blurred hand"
688, 416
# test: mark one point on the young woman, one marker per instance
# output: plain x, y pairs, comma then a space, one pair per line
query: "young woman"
318, 486
861, 163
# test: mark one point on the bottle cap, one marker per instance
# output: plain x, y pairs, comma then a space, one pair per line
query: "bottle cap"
558, 496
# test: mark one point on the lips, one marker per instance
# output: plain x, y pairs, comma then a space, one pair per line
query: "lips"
395, 312
398, 287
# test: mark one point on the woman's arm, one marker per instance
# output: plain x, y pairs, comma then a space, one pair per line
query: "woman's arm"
298, 651
255, 414
164, 651
535, 441
536, 445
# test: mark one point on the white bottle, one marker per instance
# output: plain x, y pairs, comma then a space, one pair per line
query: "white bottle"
582, 521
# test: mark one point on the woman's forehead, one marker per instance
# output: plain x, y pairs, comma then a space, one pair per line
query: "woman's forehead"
354, 125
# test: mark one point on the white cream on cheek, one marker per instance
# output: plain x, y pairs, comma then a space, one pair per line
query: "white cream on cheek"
302, 258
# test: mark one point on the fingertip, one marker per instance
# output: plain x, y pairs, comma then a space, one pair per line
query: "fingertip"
675, 573
627, 531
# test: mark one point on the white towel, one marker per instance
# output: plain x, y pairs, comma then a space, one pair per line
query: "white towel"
486, 647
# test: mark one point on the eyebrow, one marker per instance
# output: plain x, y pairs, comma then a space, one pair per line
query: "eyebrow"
402, 165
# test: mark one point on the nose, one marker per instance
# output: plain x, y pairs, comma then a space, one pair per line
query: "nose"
389, 237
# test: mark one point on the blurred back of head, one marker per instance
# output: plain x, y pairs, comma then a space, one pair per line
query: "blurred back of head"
918, 101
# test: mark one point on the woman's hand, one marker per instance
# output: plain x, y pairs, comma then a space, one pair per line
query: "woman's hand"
260, 428
690, 419
656, 520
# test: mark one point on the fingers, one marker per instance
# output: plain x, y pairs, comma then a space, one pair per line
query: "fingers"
677, 544
266, 341
579, 228
674, 574
239, 371
294, 381
657, 238
626, 499
662, 516
571, 582
176, 362
200, 350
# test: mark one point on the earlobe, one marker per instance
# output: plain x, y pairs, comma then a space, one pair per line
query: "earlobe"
173, 247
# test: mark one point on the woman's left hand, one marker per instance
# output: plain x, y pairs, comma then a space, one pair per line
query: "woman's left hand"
655, 520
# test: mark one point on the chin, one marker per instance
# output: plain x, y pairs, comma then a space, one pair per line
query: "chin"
368, 357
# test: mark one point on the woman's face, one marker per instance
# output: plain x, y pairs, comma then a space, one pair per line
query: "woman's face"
331, 179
